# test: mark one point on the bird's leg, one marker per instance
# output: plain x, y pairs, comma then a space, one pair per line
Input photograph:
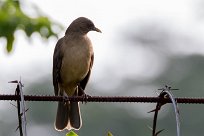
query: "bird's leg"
80, 91
83, 94
65, 98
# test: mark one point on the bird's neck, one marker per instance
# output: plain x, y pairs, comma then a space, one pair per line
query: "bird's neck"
75, 35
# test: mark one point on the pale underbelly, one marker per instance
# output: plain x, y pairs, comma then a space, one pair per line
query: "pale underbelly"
74, 70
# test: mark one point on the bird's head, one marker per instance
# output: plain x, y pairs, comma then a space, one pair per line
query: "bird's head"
82, 25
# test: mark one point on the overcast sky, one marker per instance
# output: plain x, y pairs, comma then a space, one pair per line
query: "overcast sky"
32, 59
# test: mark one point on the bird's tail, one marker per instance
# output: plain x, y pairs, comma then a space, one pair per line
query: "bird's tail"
68, 116
75, 116
62, 118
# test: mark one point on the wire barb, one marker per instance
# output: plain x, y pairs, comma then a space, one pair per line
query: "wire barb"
166, 94
21, 108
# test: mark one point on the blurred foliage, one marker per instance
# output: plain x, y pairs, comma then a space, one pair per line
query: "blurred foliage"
110, 134
13, 18
71, 133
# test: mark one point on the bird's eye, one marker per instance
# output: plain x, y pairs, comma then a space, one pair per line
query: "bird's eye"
89, 25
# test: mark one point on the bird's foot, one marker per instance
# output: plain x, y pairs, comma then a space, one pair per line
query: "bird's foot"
83, 95
85, 98
65, 99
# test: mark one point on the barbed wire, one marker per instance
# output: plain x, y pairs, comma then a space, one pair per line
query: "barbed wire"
166, 93
184, 100
138, 99
164, 97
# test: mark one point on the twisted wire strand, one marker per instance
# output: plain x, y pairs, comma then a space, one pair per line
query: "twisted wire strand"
145, 99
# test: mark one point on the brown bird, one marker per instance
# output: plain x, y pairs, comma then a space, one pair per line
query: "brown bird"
72, 63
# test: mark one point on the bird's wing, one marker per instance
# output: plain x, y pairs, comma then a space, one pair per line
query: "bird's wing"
57, 62
83, 83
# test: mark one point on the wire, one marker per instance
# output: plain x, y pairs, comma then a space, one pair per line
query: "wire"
185, 100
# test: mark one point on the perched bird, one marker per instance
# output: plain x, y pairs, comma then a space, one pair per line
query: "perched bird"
72, 62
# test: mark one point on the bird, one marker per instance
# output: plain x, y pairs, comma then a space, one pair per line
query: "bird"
72, 64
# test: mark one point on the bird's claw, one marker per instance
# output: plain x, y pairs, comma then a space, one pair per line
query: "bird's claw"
65, 99
85, 98
83, 95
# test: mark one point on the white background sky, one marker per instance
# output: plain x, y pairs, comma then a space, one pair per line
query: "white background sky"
32, 59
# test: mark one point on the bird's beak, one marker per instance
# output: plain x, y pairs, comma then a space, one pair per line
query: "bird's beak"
97, 30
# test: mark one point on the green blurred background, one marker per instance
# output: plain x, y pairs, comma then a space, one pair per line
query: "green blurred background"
144, 46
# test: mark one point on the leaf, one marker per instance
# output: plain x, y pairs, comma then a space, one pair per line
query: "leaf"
110, 134
71, 133
13, 18
10, 40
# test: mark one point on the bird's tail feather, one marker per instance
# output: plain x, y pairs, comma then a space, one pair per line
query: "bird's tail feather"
74, 116
68, 115
62, 117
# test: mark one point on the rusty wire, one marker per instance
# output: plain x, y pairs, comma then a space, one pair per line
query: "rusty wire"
160, 100
166, 93
19, 112
184, 100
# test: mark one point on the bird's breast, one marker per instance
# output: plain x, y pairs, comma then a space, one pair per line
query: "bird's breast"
76, 60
